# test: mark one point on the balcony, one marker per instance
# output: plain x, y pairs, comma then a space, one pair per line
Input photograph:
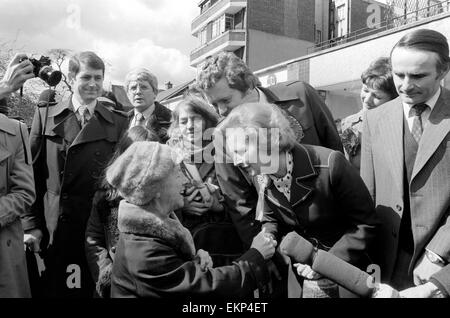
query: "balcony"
219, 8
229, 41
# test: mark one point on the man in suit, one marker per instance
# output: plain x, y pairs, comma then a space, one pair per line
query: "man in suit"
228, 82
406, 166
142, 87
71, 143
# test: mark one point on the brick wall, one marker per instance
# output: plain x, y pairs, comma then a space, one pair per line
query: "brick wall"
290, 18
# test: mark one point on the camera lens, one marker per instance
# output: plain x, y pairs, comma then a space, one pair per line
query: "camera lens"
50, 76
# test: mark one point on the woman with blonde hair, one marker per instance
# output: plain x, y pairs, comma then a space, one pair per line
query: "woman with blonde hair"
311, 190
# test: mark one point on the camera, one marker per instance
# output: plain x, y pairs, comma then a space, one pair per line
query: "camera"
42, 69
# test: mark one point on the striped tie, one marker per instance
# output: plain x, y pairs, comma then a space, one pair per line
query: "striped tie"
417, 128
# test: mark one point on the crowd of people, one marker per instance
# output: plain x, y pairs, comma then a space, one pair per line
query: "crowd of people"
240, 191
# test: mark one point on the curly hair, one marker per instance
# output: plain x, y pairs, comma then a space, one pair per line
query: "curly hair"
227, 65
379, 76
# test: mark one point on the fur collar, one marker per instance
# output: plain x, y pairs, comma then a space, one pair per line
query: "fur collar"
137, 220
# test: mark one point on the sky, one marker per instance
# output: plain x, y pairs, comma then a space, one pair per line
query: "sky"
154, 34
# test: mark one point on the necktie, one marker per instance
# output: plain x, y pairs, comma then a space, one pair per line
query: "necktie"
84, 115
140, 120
417, 127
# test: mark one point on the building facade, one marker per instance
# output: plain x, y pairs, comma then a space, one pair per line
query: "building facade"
334, 67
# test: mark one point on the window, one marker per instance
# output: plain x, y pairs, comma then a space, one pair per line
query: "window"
202, 36
318, 36
222, 24
341, 27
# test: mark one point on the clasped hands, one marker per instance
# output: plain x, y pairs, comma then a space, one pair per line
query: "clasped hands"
197, 202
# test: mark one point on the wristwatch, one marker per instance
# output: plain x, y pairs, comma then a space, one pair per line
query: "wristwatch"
434, 258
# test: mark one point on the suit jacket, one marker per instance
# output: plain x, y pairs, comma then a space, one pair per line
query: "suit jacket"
329, 205
159, 121
313, 124
382, 165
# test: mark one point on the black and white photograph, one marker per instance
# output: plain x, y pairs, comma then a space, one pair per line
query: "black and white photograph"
224, 156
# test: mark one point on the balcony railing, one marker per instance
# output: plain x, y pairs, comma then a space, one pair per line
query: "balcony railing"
217, 9
394, 19
232, 36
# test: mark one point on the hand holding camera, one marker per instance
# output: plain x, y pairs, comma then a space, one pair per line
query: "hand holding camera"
42, 69
19, 70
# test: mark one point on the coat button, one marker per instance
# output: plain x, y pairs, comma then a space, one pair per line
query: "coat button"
8, 243
97, 153
65, 196
394, 234
399, 208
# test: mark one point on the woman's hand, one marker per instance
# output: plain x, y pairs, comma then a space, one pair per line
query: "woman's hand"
204, 259
307, 272
265, 244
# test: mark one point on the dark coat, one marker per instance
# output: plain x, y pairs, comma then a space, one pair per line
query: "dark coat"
155, 258
312, 123
213, 231
70, 161
102, 235
159, 121
329, 204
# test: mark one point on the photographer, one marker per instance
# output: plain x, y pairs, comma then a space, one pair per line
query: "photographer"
16, 186
16, 74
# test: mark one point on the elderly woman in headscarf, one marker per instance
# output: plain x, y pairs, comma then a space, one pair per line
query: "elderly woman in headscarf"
311, 190
155, 254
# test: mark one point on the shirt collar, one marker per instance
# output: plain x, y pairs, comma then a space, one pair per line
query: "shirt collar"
147, 113
289, 166
76, 105
431, 102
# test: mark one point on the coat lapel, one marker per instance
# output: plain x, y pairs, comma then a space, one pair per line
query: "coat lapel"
438, 127
302, 186
205, 169
63, 121
303, 175
94, 129
391, 128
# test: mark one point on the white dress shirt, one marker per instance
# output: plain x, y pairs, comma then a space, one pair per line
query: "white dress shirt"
409, 113
147, 113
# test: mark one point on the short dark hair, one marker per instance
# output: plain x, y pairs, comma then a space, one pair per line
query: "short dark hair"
427, 40
87, 58
227, 65
379, 76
